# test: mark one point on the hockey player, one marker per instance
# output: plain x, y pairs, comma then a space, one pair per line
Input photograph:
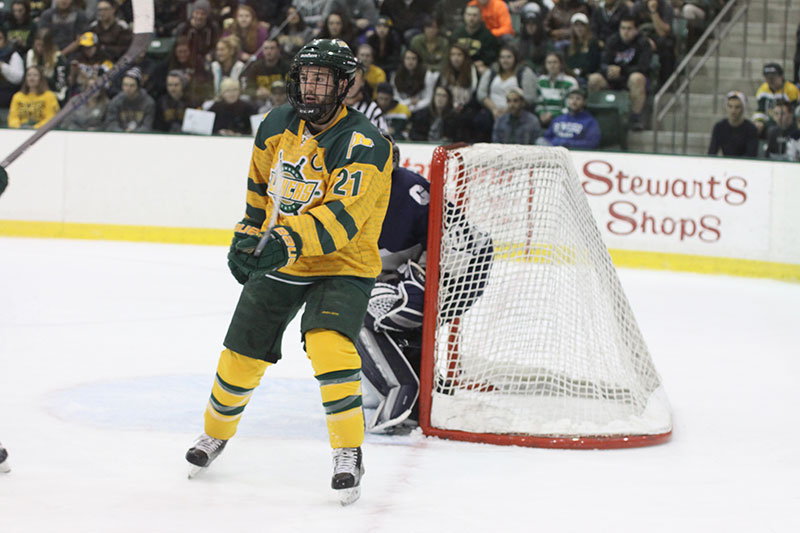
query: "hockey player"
3, 460
331, 170
389, 342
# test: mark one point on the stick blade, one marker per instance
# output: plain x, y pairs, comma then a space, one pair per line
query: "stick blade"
195, 471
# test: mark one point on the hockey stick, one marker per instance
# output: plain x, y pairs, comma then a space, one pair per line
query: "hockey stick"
143, 32
275, 191
276, 178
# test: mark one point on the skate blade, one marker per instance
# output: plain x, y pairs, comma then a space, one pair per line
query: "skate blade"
195, 471
5, 468
349, 496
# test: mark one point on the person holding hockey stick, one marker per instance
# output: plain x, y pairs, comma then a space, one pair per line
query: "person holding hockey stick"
389, 342
330, 170
143, 22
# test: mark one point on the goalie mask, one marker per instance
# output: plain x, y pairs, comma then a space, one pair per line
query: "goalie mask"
316, 99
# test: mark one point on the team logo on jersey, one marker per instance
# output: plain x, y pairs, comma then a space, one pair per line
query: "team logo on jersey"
358, 139
292, 187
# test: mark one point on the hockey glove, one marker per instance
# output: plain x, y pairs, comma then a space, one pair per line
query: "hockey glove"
246, 228
397, 306
282, 249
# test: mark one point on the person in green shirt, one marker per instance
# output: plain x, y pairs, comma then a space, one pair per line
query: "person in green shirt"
553, 88
430, 45
474, 36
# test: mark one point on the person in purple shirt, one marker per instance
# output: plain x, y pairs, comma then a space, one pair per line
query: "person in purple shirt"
575, 129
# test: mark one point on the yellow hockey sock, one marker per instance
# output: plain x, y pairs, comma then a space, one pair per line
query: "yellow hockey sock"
337, 367
237, 377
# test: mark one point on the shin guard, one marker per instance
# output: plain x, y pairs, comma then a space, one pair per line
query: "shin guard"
237, 377
337, 367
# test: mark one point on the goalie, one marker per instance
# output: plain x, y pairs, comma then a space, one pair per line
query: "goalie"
389, 342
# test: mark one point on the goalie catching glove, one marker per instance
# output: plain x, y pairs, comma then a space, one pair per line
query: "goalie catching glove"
282, 249
397, 306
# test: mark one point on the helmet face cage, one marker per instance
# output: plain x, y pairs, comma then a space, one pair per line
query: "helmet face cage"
339, 60
318, 111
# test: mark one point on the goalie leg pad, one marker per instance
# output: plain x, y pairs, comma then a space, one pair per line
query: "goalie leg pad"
387, 369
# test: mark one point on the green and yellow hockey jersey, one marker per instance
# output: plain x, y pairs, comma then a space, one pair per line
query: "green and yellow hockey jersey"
333, 189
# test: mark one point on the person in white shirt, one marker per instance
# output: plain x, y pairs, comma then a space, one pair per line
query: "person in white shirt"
12, 70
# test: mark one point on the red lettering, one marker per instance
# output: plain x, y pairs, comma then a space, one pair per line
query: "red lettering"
647, 218
605, 180
700, 188
621, 177
601, 180
668, 223
710, 225
627, 219
713, 183
688, 228
736, 196
618, 216
679, 188
636, 185
657, 188
697, 189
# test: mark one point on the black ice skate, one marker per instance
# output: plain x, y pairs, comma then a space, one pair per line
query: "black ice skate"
4, 467
203, 452
348, 468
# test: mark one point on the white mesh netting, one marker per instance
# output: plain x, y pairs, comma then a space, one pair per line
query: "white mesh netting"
551, 346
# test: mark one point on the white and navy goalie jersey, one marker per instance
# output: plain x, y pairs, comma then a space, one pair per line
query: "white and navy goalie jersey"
398, 298
404, 234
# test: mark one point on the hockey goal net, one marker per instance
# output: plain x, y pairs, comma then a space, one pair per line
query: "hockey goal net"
543, 348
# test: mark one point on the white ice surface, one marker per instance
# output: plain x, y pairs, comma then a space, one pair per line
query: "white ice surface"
107, 352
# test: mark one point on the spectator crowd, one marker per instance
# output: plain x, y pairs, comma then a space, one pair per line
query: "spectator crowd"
505, 71
774, 130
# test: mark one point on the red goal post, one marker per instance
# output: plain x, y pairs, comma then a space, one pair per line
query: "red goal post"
549, 353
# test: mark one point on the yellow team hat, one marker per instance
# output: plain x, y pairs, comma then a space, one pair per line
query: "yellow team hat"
88, 39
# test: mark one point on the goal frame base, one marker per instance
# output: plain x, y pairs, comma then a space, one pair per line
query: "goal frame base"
611, 442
